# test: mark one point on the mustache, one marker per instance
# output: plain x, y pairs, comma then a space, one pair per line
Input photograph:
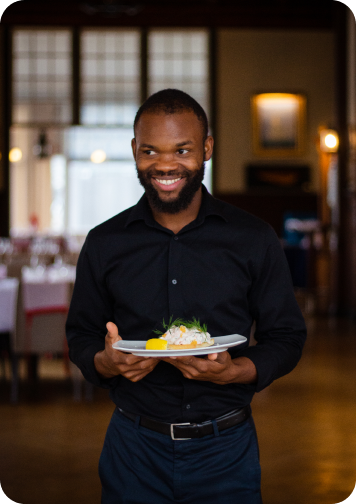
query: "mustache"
152, 173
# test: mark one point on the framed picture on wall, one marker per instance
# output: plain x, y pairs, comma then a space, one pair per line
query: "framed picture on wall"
278, 121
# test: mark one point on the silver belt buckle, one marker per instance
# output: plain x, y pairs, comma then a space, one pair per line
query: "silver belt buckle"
181, 438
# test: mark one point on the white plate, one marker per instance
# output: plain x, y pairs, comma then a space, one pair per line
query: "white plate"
221, 343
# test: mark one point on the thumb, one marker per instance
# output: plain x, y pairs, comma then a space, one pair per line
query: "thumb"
113, 332
212, 356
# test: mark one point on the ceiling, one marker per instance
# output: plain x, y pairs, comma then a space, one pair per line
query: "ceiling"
244, 13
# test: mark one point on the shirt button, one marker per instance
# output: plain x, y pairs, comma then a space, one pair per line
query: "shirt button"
176, 238
187, 406
174, 282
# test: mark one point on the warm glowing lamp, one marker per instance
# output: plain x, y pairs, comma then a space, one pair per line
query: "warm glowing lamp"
15, 155
329, 140
98, 156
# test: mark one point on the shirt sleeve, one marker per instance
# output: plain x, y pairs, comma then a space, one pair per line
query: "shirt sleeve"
280, 328
90, 309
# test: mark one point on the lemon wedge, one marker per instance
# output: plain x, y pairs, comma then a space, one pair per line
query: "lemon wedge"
156, 344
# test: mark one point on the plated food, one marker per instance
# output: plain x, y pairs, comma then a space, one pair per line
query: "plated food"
221, 344
181, 335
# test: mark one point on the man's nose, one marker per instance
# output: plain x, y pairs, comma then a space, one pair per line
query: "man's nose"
166, 163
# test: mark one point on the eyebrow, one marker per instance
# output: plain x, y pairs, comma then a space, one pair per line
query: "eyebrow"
147, 146
180, 144
187, 142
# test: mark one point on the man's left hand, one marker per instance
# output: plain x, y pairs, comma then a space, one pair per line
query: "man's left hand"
217, 368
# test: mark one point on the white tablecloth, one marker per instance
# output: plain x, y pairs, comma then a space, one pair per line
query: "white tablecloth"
44, 300
46, 288
3, 271
8, 303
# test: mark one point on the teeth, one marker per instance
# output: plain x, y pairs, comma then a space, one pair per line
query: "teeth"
168, 182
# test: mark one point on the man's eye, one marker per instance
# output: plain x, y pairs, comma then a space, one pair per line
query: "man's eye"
149, 152
182, 151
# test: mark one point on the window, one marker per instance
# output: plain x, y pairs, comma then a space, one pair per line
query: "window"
179, 59
110, 96
42, 76
110, 75
99, 190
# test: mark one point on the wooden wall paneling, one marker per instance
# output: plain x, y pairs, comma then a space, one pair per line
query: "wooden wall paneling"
345, 290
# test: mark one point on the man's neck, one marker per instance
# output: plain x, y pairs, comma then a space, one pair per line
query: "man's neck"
176, 222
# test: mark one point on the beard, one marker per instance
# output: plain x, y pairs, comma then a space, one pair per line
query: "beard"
184, 198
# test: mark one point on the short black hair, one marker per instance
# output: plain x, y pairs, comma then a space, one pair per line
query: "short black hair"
173, 101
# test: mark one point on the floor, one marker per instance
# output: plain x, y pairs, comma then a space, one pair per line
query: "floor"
50, 444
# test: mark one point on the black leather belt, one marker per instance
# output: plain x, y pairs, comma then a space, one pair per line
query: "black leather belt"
180, 431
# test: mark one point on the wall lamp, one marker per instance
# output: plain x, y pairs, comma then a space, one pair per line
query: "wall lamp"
98, 156
329, 140
15, 155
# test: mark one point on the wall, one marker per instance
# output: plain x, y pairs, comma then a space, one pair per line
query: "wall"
2, 178
351, 62
351, 165
250, 61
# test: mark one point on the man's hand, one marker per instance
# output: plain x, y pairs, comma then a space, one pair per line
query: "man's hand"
111, 362
217, 368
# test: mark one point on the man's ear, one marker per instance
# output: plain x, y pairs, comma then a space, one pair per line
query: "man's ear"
208, 148
133, 145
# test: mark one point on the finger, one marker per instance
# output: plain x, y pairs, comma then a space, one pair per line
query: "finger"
143, 361
130, 370
221, 357
143, 366
113, 332
124, 358
187, 360
147, 364
136, 375
184, 366
201, 367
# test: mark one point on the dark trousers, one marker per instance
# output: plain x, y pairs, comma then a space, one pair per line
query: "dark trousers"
139, 466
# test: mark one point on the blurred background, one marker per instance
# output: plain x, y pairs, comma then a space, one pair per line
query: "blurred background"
277, 79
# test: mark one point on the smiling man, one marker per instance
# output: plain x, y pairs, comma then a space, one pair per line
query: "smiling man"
170, 150
182, 429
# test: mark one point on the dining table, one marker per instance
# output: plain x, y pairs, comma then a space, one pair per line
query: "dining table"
9, 288
44, 298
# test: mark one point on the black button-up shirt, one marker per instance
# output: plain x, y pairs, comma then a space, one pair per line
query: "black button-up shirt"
225, 268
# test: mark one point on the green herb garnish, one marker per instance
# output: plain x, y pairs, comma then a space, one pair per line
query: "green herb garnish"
190, 324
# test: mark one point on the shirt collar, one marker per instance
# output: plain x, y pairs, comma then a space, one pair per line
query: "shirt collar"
209, 206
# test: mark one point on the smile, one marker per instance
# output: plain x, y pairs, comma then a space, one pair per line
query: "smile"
168, 182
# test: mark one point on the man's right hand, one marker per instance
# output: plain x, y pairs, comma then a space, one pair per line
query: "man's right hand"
110, 362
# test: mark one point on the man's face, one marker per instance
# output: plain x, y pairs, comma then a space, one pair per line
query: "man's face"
170, 152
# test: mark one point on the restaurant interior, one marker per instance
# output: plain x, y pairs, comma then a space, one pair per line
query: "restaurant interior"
277, 79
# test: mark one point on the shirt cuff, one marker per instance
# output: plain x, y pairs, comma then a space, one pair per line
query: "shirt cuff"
263, 361
86, 364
